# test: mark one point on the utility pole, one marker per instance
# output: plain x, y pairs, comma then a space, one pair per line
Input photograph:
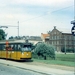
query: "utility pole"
18, 28
1, 26
65, 45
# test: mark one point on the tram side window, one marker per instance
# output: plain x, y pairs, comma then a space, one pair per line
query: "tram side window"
10, 47
0, 47
3, 47
19, 47
15, 47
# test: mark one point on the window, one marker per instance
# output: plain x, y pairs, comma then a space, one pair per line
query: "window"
57, 37
55, 32
15, 47
19, 47
0, 47
57, 42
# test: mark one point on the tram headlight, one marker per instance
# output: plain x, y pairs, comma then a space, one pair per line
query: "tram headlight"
22, 53
27, 54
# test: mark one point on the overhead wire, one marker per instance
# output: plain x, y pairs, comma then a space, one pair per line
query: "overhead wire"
47, 13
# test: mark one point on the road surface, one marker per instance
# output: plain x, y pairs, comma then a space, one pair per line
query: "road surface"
34, 69
10, 70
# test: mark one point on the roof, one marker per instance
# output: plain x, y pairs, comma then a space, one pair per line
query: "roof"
63, 30
45, 35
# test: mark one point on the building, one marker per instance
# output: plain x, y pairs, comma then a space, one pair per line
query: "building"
45, 37
61, 40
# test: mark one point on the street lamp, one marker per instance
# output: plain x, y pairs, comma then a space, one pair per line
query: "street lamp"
3, 26
11, 26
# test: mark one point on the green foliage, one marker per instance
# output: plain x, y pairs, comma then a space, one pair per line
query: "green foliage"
32, 46
2, 34
67, 50
45, 50
11, 37
0, 37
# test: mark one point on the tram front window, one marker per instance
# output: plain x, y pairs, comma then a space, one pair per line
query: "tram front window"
26, 48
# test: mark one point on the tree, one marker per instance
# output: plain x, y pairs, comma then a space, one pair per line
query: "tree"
2, 34
11, 37
32, 46
44, 50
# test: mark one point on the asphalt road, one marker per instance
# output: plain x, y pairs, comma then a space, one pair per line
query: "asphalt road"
10, 70
17, 68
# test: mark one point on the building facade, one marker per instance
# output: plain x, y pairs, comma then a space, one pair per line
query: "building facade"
45, 37
61, 40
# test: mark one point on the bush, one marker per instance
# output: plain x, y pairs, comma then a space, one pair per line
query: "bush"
44, 50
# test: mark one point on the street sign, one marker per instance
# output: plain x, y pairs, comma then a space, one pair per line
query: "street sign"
73, 30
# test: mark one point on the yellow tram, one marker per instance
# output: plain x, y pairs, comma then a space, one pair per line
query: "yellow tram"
15, 50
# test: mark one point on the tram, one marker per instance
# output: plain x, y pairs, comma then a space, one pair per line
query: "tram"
15, 50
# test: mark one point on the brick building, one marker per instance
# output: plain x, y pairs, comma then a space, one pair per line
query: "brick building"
61, 40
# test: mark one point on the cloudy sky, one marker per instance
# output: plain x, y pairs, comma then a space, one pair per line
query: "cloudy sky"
36, 16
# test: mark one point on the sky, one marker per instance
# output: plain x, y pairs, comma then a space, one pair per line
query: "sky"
35, 16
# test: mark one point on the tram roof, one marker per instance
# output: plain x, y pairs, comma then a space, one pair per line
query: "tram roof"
12, 41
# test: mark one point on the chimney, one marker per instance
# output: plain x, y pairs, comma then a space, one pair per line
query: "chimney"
54, 27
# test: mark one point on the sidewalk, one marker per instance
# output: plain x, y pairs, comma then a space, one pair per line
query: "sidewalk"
41, 69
